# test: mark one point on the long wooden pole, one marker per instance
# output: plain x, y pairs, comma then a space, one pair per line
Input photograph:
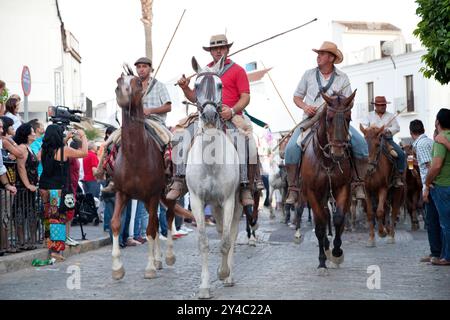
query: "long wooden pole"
170, 42
259, 42
279, 95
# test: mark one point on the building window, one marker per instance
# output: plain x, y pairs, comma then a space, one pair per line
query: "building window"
409, 93
370, 95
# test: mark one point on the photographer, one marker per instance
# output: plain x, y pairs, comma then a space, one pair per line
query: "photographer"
55, 173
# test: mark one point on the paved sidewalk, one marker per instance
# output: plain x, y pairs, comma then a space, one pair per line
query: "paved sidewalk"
95, 239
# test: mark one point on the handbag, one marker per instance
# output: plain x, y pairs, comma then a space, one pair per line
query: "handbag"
58, 231
67, 200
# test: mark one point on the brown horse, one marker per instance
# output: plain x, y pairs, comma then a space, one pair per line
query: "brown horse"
413, 190
139, 174
378, 185
325, 174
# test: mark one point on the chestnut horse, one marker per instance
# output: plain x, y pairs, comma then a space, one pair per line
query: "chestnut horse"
325, 174
413, 190
138, 174
378, 186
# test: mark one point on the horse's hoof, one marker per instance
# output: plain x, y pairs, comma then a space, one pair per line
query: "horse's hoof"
228, 282
382, 234
322, 272
252, 242
170, 261
158, 265
204, 293
328, 254
223, 274
370, 243
118, 274
391, 240
150, 274
298, 234
337, 260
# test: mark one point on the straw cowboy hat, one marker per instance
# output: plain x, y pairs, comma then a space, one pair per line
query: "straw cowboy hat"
380, 101
218, 40
330, 47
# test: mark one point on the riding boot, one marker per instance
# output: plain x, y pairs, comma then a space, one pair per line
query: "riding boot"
292, 183
246, 195
359, 176
398, 181
177, 188
258, 178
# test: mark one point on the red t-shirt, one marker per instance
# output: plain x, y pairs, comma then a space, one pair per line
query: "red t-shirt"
89, 162
234, 82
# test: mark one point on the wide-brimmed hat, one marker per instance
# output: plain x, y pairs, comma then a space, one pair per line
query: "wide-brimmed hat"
218, 40
144, 60
332, 48
380, 100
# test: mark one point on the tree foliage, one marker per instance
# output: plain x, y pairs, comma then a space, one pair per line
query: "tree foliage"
434, 32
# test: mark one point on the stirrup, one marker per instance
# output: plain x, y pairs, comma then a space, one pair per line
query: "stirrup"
246, 197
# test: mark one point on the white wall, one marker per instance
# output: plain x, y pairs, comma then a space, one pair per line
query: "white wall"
30, 35
430, 96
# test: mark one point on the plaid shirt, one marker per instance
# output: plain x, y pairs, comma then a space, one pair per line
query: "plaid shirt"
423, 147
156, 98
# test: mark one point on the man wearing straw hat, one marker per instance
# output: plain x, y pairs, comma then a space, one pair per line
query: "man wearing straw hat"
327, 79
235, 97
380, 117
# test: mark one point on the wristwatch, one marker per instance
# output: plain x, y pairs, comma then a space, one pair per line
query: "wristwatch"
233, 113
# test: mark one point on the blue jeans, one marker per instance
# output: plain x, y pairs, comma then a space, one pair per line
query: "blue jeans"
140, 221
107, 214
126, 215
162, 220
441, 203
92, 187
401, 160
293, 154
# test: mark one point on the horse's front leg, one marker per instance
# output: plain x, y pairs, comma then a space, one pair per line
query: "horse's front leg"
170, 255
229, 281
154, 250
342, 207
118, 271
228, 214
320, 220
198, 206
299, 211
382, 196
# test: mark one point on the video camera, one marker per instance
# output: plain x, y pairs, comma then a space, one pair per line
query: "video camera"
63, 115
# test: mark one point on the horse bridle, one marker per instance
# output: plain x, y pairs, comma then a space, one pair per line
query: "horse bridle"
345, 145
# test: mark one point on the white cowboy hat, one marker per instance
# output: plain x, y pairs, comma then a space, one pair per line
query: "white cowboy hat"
218, 40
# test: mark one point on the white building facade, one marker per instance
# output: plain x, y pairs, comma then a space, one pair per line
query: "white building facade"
32, 34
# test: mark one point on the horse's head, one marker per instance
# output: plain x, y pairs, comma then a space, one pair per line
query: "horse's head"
338, 113
208, 89
373, 137
129, 89
283, 144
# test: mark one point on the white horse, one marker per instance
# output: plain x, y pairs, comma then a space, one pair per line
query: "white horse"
212, 176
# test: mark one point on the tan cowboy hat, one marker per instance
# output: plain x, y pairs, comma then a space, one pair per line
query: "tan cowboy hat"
380, 100
218, 40
332, 48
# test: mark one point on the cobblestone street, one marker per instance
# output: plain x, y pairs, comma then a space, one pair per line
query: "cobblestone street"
277, 268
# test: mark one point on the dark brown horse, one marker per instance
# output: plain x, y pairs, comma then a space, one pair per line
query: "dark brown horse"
138, 174
413, 189
325, 175
379, 185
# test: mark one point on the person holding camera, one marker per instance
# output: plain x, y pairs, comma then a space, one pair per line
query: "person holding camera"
54, 178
